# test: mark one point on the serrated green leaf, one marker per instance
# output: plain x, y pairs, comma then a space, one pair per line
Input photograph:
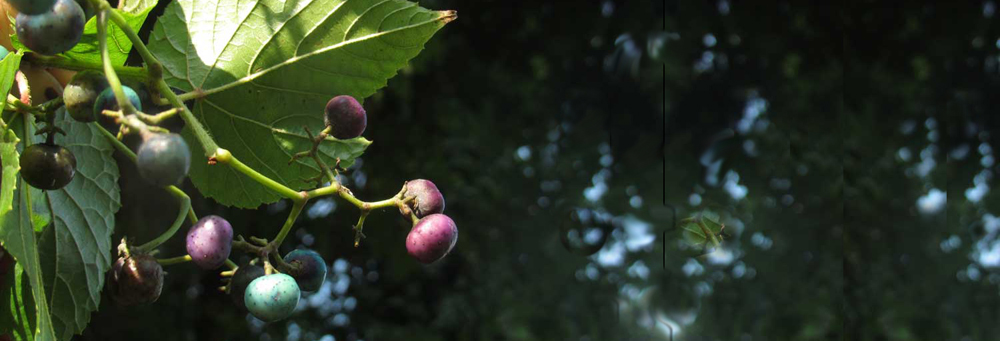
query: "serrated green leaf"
18, 315
87, 49
18, 237
268, 67
76, 248
74, 251
8, 67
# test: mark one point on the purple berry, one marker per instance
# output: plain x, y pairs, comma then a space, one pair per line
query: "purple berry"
135, 280
432, 238
426, 198
346, 116
210, 241
310, 269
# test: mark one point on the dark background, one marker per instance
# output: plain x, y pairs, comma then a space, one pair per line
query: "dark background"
827, 138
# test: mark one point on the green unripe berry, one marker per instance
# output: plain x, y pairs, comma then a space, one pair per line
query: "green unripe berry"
81, 94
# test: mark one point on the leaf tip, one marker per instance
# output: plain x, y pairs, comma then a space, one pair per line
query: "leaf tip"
448, 16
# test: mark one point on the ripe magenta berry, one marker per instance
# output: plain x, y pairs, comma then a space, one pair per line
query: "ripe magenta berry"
272, 297
423, 197
432, 238
81, 93
163, 159
310, 269
346, 116
241, 279
209, 242
32, 7
47, 166
135, 280
107, 101
54, 31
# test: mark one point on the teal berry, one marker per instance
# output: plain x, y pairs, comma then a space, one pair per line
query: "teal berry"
3, 52
32, 7
107, 101
81, 94
54, 31
163, 159
272, 297
309, 269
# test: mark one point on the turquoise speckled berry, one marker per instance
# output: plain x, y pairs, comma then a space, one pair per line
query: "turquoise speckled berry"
107, 101
273, 297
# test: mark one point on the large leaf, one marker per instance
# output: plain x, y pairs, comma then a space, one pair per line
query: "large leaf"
136, 6
8, 67
269, 66
118, 43
74, 251
18, 237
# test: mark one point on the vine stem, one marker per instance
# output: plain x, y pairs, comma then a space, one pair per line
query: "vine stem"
121, 147
294, 215
109, 71
131, 72
174, 260
181, 214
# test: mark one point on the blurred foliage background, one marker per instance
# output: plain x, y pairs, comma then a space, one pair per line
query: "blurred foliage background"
827, 138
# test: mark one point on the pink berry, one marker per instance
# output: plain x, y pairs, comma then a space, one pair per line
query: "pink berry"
432, 238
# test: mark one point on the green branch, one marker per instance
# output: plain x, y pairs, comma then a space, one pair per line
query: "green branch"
109, 71
130, 72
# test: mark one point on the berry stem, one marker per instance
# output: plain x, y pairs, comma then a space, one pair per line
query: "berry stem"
292, 216
109, 70
231, 265
181, 214
121, 147
174, 260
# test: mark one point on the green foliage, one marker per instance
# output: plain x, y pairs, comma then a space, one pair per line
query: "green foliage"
17, 310
300, 54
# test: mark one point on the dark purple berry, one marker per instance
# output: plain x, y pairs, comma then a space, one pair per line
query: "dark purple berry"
209, 242
423, 198
309, 269
163, 159
346, 116
432, 238
135, 280
54, 31
32, 6
46, 166
241, 279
